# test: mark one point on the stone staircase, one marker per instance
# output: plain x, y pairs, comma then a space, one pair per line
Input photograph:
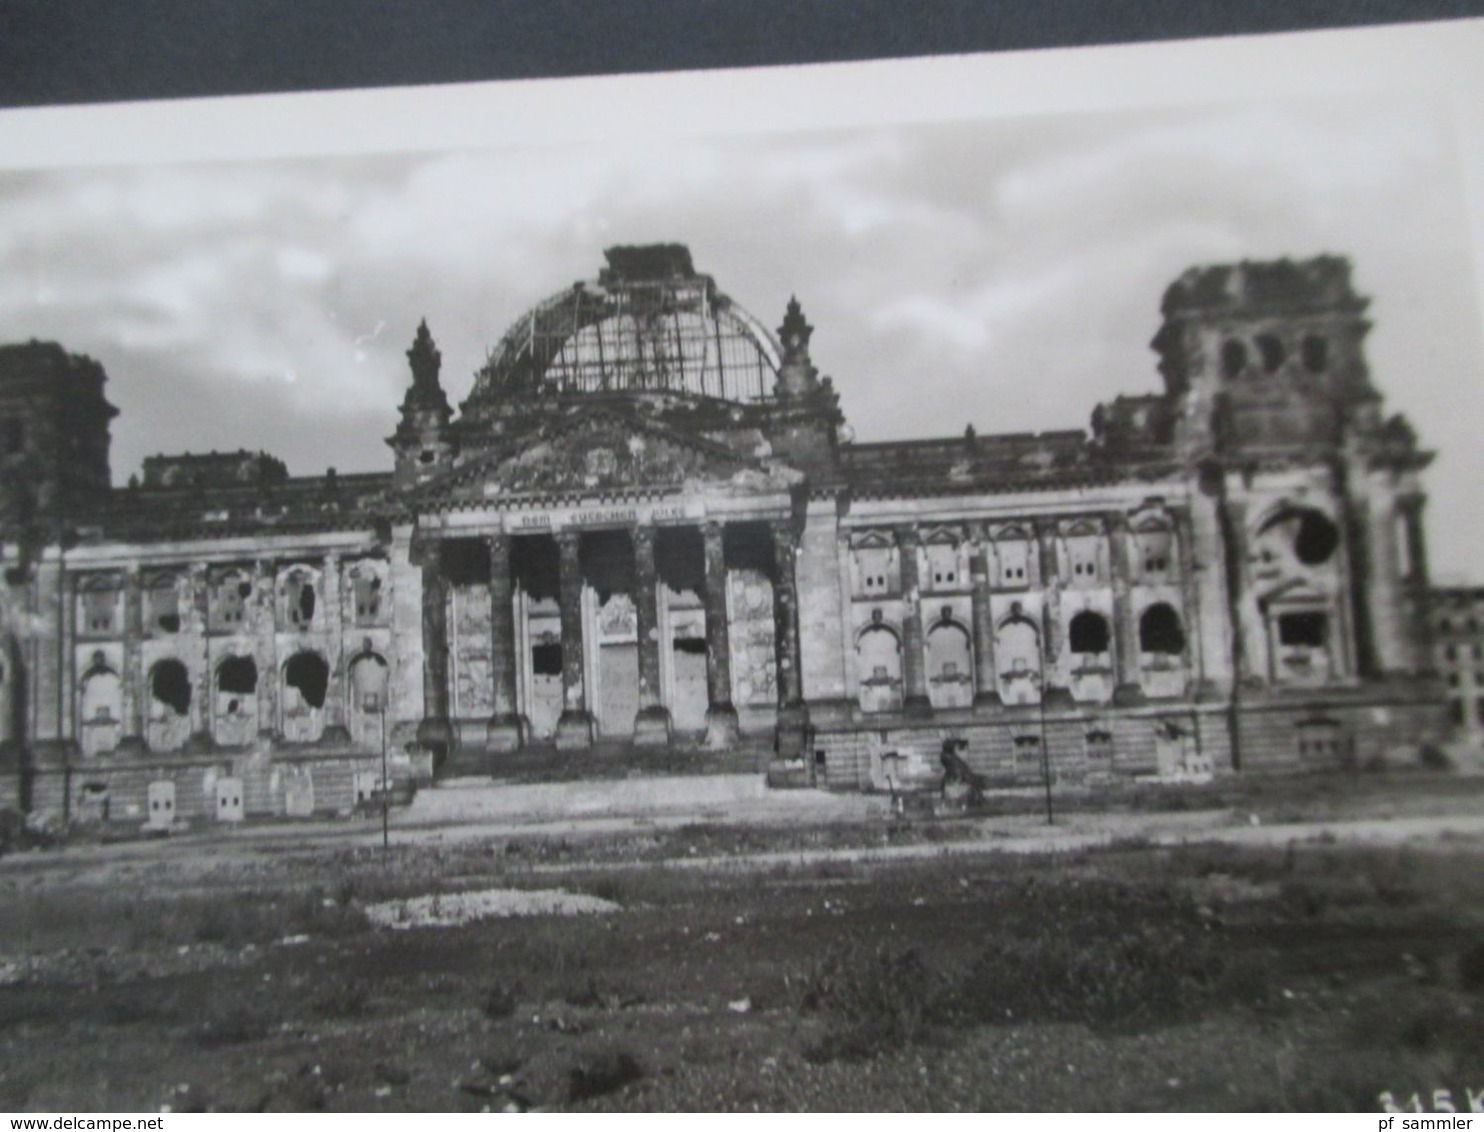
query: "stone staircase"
608, 760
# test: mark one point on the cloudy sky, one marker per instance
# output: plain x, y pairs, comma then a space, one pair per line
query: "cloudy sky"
1003, 271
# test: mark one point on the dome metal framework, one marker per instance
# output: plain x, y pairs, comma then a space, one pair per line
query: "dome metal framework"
649, 323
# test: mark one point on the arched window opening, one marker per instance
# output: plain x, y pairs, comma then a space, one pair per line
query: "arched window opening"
1270, 346
1160, 631
170, 685
1088, 633
1316, 354
1233, 358
238, 676
309, 675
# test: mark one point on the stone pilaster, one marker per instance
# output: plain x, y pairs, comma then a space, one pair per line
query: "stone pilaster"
434, 731
134, 682
986, 685
1416, 582
336, 733
507, 729
1127, 689
721, 717
575, 727
1049, 579
914, 676
652, 724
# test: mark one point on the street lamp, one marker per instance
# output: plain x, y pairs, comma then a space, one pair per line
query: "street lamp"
371, 701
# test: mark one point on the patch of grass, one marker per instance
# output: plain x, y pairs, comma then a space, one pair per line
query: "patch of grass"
873, 1001
499, 1001
603, 1073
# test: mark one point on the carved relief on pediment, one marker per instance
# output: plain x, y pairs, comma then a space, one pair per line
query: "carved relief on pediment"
605, 457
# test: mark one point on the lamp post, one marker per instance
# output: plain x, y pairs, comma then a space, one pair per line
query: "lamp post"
372, 702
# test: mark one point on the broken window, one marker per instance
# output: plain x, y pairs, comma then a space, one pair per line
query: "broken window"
1270, 346
1153, 551
367, 592
164, 605
99, 608
1088, 633
1160, 630
546, 660
238, 675
1316, 539
1307, 630
299, 600
1316, 354
309, 675
1233, 358
229, 600
237, 688
170, 684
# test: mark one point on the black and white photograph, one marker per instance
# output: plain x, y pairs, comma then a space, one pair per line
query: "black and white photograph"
937, 584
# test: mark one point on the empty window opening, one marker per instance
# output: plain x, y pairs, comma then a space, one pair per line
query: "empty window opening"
368, 599
170, 685
229, 605
1316, 354
546, 660
308, 673
1272, 351
1233, 358
1307, 630
164, 606
426, 456
1099, 744
1160, 630
696, 646
1088, 633
1316, 540
1027, 743
237, 676
98, 608
1455, 712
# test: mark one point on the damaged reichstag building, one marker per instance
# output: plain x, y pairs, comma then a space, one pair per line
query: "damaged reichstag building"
647, 530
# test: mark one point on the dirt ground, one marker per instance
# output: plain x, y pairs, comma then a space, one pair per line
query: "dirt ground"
1256, 946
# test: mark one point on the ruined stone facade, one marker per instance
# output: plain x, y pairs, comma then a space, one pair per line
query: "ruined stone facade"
1458, 653
644, 528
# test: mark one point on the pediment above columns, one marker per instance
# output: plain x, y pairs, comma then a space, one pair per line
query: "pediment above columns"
606, 456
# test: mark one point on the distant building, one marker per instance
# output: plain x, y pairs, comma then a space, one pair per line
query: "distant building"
1458, 651
647, 526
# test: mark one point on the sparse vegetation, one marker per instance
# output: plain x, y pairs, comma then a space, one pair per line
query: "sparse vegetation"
1305, 976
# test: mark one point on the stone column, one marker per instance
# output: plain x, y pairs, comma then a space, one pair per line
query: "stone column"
1126, 689
575, 727
134, 682
986, 683
914, 677
793, 716
652, 724
1418, 630
332, 602
435, 731
721, 717
195, 611
507, 730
